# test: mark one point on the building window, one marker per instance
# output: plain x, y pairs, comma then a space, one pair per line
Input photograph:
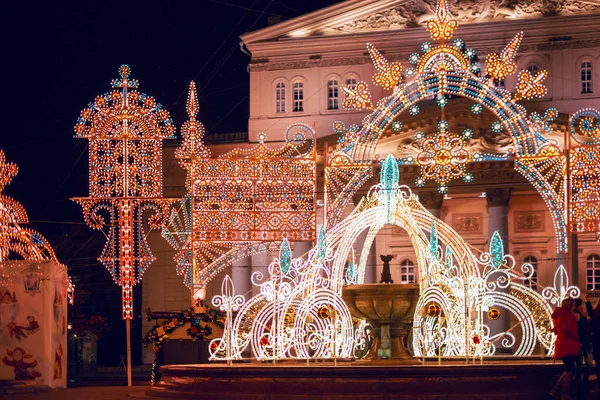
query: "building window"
407, 271
499, 83
332, 95
586, 77
351, 83
298, 97
533, 68
280, 97
532, 282
593, 272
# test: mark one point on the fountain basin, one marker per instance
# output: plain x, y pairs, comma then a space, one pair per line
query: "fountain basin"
389, 308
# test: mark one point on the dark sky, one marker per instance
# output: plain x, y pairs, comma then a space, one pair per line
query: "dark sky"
59, 55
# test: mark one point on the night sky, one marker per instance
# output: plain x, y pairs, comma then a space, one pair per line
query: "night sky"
58, 56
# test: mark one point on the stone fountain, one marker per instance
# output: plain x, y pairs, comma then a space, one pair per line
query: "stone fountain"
389, 309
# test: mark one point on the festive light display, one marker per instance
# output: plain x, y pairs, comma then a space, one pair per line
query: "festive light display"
298, 313
443, 25
443, 157
584, 212
241, 202
530, 86
17, 242
444, 71
358, 97
503, 65
584, 126
125, 128
388, 75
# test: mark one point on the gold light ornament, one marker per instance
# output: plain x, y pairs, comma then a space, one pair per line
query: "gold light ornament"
500, 66
358, 97
125, 129
443, 25
530, 86
388, 75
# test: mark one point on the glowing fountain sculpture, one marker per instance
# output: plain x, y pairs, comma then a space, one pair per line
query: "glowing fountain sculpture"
299, 312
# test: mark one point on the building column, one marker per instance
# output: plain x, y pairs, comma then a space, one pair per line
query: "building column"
432, 201
497, 202
240, 275
301, 249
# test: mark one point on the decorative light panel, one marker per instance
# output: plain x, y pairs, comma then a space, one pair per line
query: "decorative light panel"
443, 157
241, 202
125, 128
17, 242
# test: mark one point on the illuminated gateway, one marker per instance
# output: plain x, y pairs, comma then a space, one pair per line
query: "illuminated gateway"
476, 132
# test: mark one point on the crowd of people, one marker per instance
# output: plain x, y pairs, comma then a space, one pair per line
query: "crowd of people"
577, 328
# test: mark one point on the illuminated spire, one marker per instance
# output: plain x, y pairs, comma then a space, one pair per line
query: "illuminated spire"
500, 66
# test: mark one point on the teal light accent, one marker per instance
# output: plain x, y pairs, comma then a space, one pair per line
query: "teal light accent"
497, 250
321, 246
285, 256
433, 240
449, 257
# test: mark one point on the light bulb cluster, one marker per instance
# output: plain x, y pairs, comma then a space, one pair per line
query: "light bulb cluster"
503, 65
388, 75
530, 86
17, 242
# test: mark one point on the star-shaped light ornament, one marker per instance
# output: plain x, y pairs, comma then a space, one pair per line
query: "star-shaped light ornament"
443, 157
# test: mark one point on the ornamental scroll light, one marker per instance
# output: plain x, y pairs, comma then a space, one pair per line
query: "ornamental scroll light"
125, 129
240, 203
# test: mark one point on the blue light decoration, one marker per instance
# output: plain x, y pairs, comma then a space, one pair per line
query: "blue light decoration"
468, 134
426, 46
285, 256
397, 126
321, 244
497, 250
449, 257
442, 101
351, 274
414, 58
433, 240
476, 109
414, 109
497, 126
389, 182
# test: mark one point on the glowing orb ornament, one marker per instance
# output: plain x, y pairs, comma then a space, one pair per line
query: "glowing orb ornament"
323, 312
433, 310
494, 314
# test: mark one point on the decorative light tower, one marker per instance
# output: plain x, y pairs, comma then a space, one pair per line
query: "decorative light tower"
125, 128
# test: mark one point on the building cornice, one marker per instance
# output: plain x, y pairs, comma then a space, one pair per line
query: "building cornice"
541, 33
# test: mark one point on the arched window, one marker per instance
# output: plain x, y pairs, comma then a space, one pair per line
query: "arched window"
280, 97
351, 83
593, 272
407, 271
298, 97
332, 95
533, 68
532, 282
586, 77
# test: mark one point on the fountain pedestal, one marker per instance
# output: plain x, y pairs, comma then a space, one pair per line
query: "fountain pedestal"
389, 308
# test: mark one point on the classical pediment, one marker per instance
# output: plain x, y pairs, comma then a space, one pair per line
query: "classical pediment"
364, 16
414, 12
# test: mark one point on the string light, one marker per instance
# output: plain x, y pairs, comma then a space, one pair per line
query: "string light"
443, 25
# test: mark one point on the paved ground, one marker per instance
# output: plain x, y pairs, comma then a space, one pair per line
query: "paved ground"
83, 393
